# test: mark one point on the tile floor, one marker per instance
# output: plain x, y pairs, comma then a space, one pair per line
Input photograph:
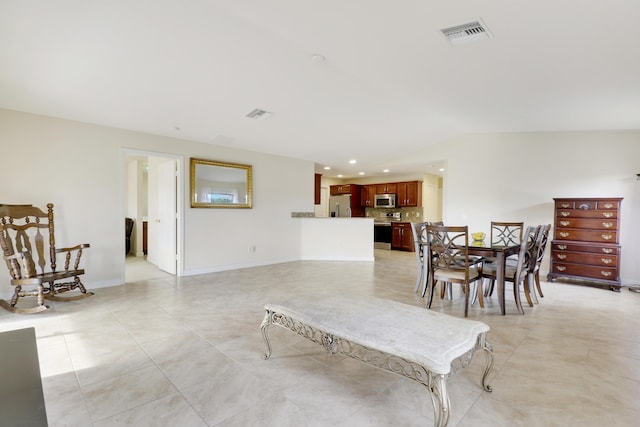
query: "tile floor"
166, 351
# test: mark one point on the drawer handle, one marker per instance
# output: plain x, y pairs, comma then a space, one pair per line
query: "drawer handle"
565, 223
563, 247
584, 206
565, 205
561, 268
565, 214
562, 256
607, 250
606, 260
605, 273
607, 214
565, 234
608, 205
607, 236
607, 224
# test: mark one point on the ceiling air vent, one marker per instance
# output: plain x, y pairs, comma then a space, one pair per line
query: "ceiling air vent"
258, 114
470, 32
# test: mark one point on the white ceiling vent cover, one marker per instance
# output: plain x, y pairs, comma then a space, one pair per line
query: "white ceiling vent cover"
258, 114
473, 31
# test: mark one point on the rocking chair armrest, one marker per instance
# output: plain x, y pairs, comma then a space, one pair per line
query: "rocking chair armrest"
73, 248
67, 259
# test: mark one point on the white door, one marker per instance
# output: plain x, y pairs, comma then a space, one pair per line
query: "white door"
166, 226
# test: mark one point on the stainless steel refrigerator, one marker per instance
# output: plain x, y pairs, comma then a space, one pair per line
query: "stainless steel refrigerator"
340, 206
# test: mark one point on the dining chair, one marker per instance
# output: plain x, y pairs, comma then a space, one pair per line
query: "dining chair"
504, 234
419, 239
519, 273
447, 258
534, 273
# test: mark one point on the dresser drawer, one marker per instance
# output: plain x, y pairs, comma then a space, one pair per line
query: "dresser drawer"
586, 258
603, 236
590, 271
572, 213
593, 224
585, 247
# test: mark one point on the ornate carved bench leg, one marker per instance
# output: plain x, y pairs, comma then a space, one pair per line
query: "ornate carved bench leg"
484, 345
440, 399
264, 329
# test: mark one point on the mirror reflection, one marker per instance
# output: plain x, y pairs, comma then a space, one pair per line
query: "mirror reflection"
216, 184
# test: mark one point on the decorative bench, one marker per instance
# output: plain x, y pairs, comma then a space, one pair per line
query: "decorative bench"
411, 341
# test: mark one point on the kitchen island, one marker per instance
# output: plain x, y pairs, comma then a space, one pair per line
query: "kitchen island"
336, 239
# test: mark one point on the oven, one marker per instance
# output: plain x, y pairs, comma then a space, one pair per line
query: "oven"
382, 235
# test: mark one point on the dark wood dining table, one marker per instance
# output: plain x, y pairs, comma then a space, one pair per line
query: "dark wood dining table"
500, 253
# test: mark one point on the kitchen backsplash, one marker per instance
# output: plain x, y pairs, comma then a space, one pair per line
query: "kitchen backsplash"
408, 214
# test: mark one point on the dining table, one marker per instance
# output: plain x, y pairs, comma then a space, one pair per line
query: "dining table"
500, 253
480, 249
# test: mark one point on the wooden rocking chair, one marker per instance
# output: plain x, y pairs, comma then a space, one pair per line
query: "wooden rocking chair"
23, 236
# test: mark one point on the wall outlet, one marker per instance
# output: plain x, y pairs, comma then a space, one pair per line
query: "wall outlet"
252, 248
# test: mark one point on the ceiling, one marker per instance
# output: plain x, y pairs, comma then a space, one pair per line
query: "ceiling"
390, 85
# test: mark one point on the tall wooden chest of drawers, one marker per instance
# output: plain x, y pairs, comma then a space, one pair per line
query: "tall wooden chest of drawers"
586, 240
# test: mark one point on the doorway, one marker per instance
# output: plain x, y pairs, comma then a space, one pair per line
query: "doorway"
153, 183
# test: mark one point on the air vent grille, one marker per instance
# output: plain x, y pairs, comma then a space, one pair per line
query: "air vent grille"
258, 114
473, 31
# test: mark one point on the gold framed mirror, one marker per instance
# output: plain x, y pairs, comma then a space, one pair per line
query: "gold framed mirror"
216, 184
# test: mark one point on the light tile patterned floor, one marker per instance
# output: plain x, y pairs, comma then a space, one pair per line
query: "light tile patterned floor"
187, 352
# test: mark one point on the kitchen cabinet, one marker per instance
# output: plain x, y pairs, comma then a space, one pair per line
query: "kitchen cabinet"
340, 189
409, 194
402, 236
586, 240
317, 180
367, 195
388, 188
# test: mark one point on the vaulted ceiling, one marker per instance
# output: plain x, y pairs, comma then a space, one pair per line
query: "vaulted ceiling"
390, 83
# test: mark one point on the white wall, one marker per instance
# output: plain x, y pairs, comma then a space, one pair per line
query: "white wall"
506, 177
80, 168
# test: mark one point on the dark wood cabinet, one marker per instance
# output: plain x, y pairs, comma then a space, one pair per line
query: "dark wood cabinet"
402, 236
316, 188
144, 237
388, 188
409, 194
340, 189
367, 196
586, 240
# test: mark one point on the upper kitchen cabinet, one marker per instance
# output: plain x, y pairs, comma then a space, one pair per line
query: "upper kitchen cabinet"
389, 188
367, 195
409, 194
340, 189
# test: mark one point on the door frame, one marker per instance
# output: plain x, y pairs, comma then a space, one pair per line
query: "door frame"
179, 249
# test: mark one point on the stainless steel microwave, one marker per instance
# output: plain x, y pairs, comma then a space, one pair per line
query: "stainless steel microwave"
385, 201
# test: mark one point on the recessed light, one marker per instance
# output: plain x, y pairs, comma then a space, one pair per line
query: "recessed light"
340, 176
360, 173
353, 162
327, 168
385, 171
317, 58
441, 169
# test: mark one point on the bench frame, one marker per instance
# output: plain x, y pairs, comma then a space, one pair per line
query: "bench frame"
434, 382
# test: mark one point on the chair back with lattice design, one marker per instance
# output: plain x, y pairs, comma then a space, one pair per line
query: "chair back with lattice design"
448, 247
506, 233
